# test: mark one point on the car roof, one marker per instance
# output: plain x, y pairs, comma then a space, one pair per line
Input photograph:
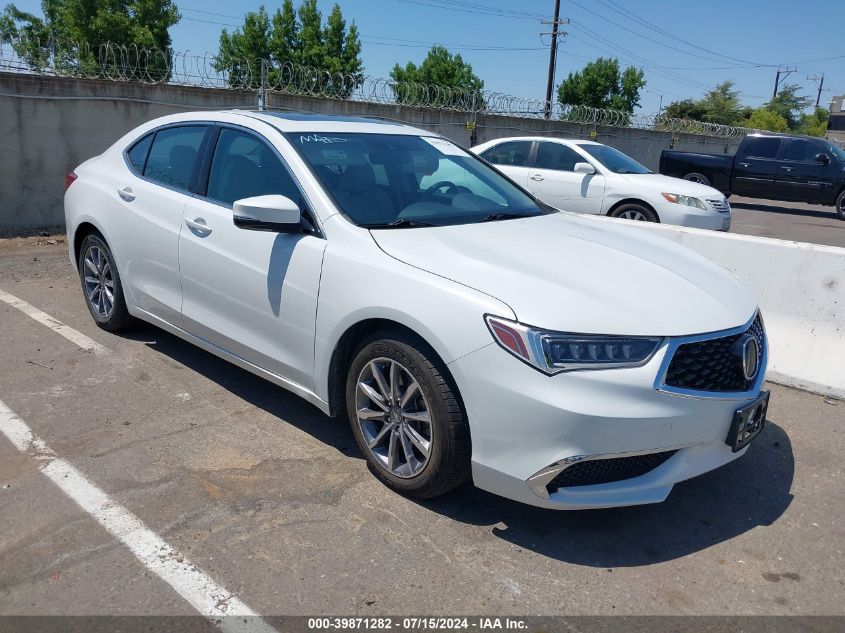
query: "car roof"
303, 122
575, 141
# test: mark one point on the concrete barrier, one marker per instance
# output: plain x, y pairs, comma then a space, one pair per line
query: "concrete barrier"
801, 289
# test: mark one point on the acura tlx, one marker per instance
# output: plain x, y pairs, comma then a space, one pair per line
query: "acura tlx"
465, 329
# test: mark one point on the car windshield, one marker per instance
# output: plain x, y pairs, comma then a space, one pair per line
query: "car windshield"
614, 160
399, 181
834, 149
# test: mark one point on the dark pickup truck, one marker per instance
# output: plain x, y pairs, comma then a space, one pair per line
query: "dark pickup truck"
776, 167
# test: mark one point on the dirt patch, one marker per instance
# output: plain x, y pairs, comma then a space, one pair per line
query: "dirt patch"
41, 241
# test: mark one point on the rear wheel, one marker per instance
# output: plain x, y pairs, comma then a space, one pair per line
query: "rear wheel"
101, 284
840, 205
634, 211
406, 417
699, 178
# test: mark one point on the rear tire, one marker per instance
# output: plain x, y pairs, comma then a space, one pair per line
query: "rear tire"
699, 178
425, 455
840, 205
634, 211
101, 286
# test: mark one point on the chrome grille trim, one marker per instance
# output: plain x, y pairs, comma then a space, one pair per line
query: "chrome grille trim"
675, 342
719, 204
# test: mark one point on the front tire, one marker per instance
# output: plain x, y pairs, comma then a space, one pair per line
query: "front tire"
840, 205
634, 211
101, 286
406, 417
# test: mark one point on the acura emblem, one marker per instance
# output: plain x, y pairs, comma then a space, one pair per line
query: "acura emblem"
749, 351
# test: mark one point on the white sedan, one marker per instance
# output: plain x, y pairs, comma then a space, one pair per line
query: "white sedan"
391, 278
588, 177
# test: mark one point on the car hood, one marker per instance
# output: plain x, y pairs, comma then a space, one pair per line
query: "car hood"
573, 274
667, 184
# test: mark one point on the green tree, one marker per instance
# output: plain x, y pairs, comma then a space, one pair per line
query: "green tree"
814, 124
71, 32
686, 109
601, 85
301, 50
765, 119
424, 84
789, 104
721, 104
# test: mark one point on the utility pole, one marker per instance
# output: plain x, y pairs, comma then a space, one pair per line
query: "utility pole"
820, 81
553, 54
785, 72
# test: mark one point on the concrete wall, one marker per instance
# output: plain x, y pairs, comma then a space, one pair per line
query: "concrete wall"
801, 289
48, 125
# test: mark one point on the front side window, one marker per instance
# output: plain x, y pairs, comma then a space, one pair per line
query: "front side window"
513, 153
402, 180
614, 160
762, 147
800, 151
557, 156
173, 155
244, 166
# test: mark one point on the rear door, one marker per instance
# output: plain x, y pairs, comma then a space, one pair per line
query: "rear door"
251, 293
755, 166
512, 158
800, 176
162, 168
554, 181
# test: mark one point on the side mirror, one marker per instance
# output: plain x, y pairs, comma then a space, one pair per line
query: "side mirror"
584, 168
822, 158
267, 213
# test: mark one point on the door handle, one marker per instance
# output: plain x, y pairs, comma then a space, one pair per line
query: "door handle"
198, 225
745, 165
537, 177
126, 194
786, 168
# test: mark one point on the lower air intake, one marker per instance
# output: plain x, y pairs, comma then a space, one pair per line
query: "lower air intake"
604, 471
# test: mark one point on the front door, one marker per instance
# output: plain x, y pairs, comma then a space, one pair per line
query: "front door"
554, 181
800, 177
252, 293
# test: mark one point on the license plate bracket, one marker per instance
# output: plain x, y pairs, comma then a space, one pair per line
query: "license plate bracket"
748, 422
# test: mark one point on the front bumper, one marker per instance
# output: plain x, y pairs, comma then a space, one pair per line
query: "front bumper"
524, 423
683, 215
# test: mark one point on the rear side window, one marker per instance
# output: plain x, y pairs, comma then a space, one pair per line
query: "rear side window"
762, 147
557, 156
173, 155
138, 154
514, 153
245, 166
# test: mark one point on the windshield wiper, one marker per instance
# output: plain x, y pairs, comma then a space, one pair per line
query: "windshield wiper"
503, 216
401, 224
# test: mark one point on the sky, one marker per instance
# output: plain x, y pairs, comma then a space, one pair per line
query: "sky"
684, 47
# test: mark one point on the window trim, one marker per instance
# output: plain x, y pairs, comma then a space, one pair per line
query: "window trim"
187, 191
208, 156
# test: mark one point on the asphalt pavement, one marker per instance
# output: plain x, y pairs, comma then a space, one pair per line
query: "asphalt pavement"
792, 221
271, 499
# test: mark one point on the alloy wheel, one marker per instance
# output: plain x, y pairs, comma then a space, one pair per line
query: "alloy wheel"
99, 282
394, 417
633, 214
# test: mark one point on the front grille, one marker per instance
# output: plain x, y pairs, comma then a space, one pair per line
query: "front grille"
712, 364
604, 471
719, 204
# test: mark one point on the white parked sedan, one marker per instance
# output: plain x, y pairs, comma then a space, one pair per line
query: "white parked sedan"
388, 276
588, 177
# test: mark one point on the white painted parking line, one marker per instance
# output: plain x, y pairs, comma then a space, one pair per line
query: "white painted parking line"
89, 345
201, 591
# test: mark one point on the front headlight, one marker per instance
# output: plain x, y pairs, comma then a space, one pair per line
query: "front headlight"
688, 201
555, 352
